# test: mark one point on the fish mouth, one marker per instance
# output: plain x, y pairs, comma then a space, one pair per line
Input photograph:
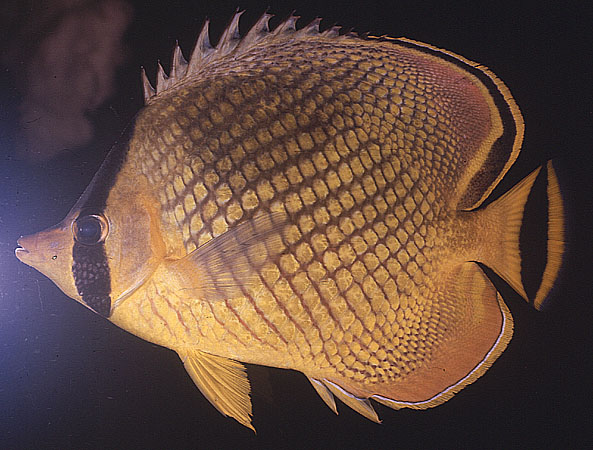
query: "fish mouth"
21, 252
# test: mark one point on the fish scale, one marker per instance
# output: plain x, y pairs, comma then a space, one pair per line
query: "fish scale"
318, 154
311, 201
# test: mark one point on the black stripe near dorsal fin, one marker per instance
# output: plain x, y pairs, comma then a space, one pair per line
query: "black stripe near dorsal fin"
96, 193
505, 149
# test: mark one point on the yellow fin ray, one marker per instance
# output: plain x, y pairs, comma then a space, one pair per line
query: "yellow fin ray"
510, 208
223, 382
221, 268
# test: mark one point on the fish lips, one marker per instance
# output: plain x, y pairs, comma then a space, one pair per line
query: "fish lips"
25, 252
21, 251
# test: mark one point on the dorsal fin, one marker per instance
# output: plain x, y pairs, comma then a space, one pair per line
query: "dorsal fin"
179, 66
259, 30
231, 42
202, 49
312, 28
230, 36
288, 26
333, 31
149, 91
163, 82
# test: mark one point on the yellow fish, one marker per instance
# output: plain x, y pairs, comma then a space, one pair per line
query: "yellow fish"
311, 201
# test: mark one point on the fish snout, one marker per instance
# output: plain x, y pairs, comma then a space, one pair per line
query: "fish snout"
50, 252
26, 245
39, 247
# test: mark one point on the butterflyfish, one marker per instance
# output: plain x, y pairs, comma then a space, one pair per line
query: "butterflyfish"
314, 201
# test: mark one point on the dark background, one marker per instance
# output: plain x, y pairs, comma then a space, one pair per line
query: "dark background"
69, 379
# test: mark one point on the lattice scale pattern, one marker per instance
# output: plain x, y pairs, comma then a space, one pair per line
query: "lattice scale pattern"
361, 151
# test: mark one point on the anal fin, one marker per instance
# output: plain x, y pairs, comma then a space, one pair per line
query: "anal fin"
476, 329
324, 393
223, 382
360, 405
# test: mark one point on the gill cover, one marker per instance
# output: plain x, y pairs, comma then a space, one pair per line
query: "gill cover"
84, 252
117, 239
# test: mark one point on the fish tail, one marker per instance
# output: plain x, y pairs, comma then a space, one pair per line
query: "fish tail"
512, 265
555, 239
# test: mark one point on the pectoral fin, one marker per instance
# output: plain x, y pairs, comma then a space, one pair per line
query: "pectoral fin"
223, 382
228, 264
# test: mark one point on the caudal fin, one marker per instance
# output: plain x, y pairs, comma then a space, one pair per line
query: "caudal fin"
555, 242
511, 207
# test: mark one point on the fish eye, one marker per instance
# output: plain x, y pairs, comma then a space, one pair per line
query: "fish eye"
90, 229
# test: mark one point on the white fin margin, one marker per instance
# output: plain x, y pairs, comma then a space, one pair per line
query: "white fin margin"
324, 393
360, 405
507, 322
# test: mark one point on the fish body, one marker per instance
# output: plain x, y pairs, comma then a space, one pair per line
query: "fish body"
310, 201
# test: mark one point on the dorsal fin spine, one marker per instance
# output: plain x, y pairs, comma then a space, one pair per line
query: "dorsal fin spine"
149, 90
179, 66
333, 31
258, 31
161, 79
230, 42
201, 49
288, 26
230, 37
311, 28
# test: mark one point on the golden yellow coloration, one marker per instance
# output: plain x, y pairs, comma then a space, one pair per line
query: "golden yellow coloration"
310, 201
